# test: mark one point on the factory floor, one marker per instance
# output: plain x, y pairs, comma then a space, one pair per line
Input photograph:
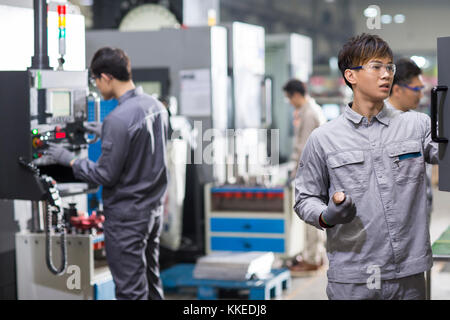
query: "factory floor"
313, 287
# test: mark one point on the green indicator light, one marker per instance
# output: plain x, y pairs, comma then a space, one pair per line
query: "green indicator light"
35, 131
39, 79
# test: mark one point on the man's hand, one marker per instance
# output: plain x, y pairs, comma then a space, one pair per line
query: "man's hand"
61, 155
340, 210
94, 128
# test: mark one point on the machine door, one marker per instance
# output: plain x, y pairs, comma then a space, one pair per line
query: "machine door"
16, 182
440, 112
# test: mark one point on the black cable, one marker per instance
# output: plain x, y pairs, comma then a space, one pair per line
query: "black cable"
61, 228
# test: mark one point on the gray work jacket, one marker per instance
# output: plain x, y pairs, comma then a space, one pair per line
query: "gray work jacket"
132, 167
381, 165
428, 172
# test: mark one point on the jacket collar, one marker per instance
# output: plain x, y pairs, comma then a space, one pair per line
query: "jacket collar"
356, 118
130, 93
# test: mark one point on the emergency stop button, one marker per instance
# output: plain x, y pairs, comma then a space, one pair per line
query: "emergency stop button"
37, 143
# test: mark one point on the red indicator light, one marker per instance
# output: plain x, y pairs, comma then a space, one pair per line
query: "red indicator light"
60, 135
61, 10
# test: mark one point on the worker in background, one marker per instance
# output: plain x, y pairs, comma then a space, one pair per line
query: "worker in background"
308, 116
407, 90
133, 172
361, 178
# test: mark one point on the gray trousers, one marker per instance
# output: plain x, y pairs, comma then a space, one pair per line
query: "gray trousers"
408, 288
132, 252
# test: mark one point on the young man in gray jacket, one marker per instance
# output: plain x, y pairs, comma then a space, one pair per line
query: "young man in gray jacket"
378, 241
132, 169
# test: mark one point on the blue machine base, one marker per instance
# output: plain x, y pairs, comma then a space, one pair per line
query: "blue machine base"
181, 275
104, 290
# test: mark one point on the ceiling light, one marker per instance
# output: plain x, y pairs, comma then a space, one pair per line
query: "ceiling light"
420, 61
399, 18
370, 12
386, 19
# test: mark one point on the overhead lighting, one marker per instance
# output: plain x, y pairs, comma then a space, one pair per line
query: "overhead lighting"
370, 12
386, 19
421, 62
399, 18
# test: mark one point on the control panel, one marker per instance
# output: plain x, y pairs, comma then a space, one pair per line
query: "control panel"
72, 136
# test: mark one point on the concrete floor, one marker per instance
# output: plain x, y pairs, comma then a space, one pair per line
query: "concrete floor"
313, 287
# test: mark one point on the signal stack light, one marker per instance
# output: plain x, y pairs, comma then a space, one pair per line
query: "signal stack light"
62, 34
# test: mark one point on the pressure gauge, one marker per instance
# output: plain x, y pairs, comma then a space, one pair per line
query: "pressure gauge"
148, 17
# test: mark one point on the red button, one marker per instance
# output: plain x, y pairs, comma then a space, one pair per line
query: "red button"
60, 135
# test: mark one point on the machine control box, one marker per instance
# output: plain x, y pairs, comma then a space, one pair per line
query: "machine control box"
38, 107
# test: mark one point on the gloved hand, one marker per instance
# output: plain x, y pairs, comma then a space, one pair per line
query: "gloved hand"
341, 213
94, 128
58, 153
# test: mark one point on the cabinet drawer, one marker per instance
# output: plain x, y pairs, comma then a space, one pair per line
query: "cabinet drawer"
247, 244
247, 225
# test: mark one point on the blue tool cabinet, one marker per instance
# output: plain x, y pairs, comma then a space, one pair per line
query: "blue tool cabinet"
279, 231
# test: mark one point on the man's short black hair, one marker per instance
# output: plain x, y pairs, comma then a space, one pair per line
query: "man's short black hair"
406, 70
112, 61
293, 86
361, 49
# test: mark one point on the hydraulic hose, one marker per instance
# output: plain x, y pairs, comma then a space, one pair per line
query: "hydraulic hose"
48, 243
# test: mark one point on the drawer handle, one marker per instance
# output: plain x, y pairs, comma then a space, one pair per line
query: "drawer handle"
247, 226
247, 245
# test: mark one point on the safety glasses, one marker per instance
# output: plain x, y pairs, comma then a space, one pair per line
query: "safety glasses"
377, 68
415, 89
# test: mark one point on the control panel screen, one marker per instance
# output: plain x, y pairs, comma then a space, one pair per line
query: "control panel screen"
150, 87
60, 103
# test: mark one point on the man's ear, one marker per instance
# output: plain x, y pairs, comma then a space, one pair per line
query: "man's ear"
105, 76
350, 76
395, 89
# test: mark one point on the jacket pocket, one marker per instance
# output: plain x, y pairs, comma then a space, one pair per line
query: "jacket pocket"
349, 170
407, 162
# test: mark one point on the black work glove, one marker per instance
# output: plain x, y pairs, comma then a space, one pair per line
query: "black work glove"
341, 213
60, 154
94, 128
